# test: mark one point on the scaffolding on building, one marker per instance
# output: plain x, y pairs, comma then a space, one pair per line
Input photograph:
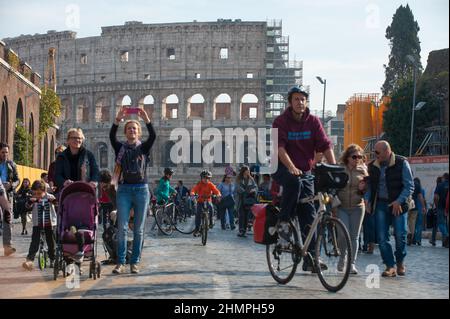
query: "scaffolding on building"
435, 142
281, 73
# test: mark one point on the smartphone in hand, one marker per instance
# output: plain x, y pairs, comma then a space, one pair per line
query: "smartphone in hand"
132, 110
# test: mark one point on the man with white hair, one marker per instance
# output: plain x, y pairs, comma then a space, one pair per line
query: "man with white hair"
390, 186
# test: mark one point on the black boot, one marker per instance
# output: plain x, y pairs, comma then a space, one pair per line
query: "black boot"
445, 242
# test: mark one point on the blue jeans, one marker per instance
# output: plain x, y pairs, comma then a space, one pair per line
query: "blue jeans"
419, 227
199, 214
369, 230
136, 197
292, 190
384, 219
441, 224
223, 214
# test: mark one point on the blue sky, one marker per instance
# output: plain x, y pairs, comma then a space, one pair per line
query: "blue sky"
342, 41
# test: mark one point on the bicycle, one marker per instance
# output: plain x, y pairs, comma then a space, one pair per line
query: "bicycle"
43, 251
205, 222
169, 218
333, 244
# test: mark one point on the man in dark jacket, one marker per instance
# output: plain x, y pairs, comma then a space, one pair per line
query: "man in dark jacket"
390, 187
300, 137
76, 163
10, 180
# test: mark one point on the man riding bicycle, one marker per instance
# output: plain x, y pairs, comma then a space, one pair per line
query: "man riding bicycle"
300, 137
204, 189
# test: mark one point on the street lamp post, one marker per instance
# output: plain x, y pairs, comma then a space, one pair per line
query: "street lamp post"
413, 61
417, 107
324, 82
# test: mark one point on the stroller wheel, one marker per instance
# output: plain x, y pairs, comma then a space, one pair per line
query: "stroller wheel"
99, 269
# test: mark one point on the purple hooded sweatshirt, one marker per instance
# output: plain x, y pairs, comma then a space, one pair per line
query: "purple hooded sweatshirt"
301, 139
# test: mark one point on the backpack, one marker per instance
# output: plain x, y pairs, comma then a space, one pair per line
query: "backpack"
133, 164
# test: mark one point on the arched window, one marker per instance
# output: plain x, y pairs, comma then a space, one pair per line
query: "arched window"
101, 111
4, 121
148, 103
170, 107
222, 107
196, 107
82, 111
249, 107
19, 143
31, 132
166, 160
102, 155
52, 149
46, 152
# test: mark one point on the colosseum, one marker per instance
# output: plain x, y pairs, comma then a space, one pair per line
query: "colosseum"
228, 74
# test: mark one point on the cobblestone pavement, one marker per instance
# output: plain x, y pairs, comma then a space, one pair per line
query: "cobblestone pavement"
227, 267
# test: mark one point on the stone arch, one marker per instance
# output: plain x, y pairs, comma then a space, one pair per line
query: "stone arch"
17, 142
170, 107
101, 110
196, 107
31, 131
82, 115
66, 110
222, 107
52, 149
102, 155
166, 160
19, 111
148, 104
46, 150
123, 100
4, 121
249, 107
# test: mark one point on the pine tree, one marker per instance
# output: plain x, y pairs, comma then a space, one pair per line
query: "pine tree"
403, 40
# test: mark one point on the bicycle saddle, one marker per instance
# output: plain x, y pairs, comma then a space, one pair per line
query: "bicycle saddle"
329, 168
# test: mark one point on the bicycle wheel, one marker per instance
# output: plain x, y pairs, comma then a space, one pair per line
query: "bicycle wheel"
183, 223
164, 221
205, 227
41, 259
282, 258
333, 247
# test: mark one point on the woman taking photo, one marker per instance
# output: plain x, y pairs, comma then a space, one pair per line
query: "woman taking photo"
131, 176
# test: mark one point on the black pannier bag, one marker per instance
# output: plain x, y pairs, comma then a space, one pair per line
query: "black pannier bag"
329, 177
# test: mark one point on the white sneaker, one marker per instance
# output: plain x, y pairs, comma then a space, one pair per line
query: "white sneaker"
353, 270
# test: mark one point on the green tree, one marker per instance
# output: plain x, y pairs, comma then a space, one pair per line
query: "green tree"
49, 110
397, 118
23, 145
403, 41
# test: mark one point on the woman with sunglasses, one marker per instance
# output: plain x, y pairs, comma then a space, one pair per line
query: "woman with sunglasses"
351, 210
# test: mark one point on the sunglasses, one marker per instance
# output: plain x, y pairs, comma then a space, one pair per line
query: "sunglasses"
377, 153
355, 157
76, 138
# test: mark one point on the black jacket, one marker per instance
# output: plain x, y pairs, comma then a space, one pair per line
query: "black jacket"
62, 167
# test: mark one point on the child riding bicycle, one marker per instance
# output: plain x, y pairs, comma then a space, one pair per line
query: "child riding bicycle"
164, 190
44, 219
204, 189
